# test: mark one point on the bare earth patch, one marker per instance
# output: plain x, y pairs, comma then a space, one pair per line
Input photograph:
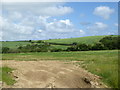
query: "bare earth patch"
51, 74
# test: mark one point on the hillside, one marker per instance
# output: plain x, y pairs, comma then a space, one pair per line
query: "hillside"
86, 40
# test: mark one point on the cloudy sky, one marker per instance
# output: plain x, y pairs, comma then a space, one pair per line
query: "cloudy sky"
51, 20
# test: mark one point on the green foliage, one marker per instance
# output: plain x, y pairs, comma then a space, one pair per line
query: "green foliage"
34, 48
6, 76
111, 42
79, 47
73, 44
5, 49
83, 47
39, 41
56, 50
106, 43
30, 41
98, 46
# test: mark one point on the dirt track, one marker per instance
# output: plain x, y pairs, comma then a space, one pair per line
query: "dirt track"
51, 74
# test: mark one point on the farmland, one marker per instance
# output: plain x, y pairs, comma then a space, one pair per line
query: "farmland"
104, 66
100, 62
87, 40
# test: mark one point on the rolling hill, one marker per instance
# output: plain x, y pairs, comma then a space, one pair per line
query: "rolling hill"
86, 40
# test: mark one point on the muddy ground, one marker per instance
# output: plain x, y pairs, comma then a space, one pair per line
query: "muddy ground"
51, 74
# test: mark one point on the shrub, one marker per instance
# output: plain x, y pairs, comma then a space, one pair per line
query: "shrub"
39, 41
111, 42
71, 49
83, 47
79, 47
34, 48
5, 49
98, 46
74, 43
56, 50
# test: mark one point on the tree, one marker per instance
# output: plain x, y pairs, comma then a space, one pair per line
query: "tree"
111, 42
83, 47
5, 50
39, 41
98, 46
74, 43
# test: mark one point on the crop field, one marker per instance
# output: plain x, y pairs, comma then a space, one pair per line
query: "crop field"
103, 63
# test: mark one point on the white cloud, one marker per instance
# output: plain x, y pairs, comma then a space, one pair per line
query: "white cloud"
81, 31
38, 28
40, 31
43, 8
22, 21
14, 15
60, 26
103, 11
116, 24
56, 11
100, 26
97, 28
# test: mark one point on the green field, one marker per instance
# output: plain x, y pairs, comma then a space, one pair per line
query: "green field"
13, 44
6, 77
103, 63
87, 40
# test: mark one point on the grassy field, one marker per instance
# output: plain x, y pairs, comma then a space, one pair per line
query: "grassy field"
6, 77
14, 44
87, 40
103, 63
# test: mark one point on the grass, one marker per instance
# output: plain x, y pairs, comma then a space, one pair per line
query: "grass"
6, 77
103, 63
14, 44
86, 40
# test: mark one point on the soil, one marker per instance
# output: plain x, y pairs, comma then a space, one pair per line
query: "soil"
51, 74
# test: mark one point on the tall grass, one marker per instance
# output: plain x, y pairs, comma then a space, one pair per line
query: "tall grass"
6, 77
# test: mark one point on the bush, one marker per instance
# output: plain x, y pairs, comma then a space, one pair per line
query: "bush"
71, 49
56, 50
98, 46
83, 47
5, 49
39, 41
34, 48
111, 42
74, 43
79, 47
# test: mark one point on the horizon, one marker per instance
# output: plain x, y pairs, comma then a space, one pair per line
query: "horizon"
56, 38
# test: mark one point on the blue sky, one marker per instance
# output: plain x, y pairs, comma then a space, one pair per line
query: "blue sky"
49, 20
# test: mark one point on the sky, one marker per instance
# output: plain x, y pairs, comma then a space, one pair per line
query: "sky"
53, 20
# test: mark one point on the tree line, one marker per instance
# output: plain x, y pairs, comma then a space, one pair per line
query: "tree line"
106, 43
